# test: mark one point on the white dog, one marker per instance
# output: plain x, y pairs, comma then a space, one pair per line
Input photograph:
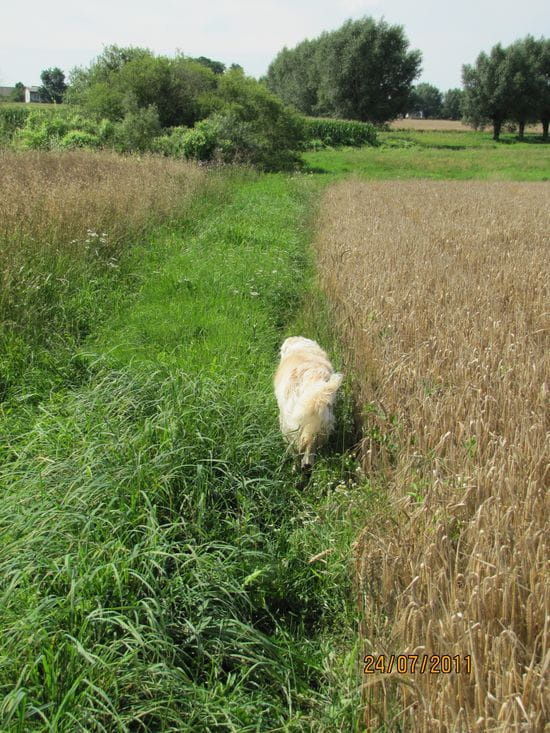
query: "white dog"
305, 387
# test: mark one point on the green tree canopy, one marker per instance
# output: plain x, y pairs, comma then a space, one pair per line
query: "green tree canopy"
293, 76
53, 85
121, 79
541, 51
427, 100
509, 84
452, 104
521, 63
488, 90
363, 70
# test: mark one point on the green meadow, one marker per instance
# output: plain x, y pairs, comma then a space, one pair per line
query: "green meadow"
439, 155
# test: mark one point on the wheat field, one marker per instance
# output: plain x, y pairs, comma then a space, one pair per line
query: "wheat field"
439, 291
411, 123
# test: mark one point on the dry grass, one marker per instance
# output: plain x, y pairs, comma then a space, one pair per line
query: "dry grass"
445, 125
70, 207
440, 294
52, 199
416, 124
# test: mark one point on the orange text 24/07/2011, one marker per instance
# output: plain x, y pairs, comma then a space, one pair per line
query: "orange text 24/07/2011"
417, 664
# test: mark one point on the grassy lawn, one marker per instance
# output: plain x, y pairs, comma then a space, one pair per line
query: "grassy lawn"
439, 155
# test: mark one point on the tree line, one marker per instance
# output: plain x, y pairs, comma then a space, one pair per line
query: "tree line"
509, 84
365, 71
362, 71
426, 100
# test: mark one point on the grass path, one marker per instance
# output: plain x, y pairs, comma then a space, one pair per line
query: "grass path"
155, 546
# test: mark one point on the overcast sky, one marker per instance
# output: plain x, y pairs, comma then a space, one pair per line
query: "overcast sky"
66, 33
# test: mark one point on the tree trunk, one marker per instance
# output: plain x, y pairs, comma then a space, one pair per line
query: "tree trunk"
497, 124
545, 128
521, 129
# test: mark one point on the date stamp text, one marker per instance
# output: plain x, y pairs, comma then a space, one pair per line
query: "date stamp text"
417, 664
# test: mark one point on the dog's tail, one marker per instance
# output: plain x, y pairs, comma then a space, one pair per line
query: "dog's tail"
320, 395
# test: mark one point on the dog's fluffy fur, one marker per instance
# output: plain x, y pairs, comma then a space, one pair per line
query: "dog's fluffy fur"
305, 387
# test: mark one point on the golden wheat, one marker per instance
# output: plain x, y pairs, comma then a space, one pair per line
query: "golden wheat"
439, 291
424, 124
449, 125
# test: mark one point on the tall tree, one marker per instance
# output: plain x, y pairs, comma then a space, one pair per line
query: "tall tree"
426, 99
521, 63
53, 85
452, 104
488, 90
363, 71
541, 50
293, 76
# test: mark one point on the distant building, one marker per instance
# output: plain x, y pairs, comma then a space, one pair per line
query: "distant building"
5, 92
32, 94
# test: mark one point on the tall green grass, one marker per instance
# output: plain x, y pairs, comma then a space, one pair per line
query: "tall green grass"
155, 545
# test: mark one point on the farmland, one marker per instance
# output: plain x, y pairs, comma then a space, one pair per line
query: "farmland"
440, 125
440, 291
162, 568
440, 155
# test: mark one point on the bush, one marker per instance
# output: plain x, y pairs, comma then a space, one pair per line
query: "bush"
253, 127
198, 143
12, 118
171, 143
48, 131
334, 133
179, 88
201, 142
137, 130
75, 139
42, 131
250, 126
